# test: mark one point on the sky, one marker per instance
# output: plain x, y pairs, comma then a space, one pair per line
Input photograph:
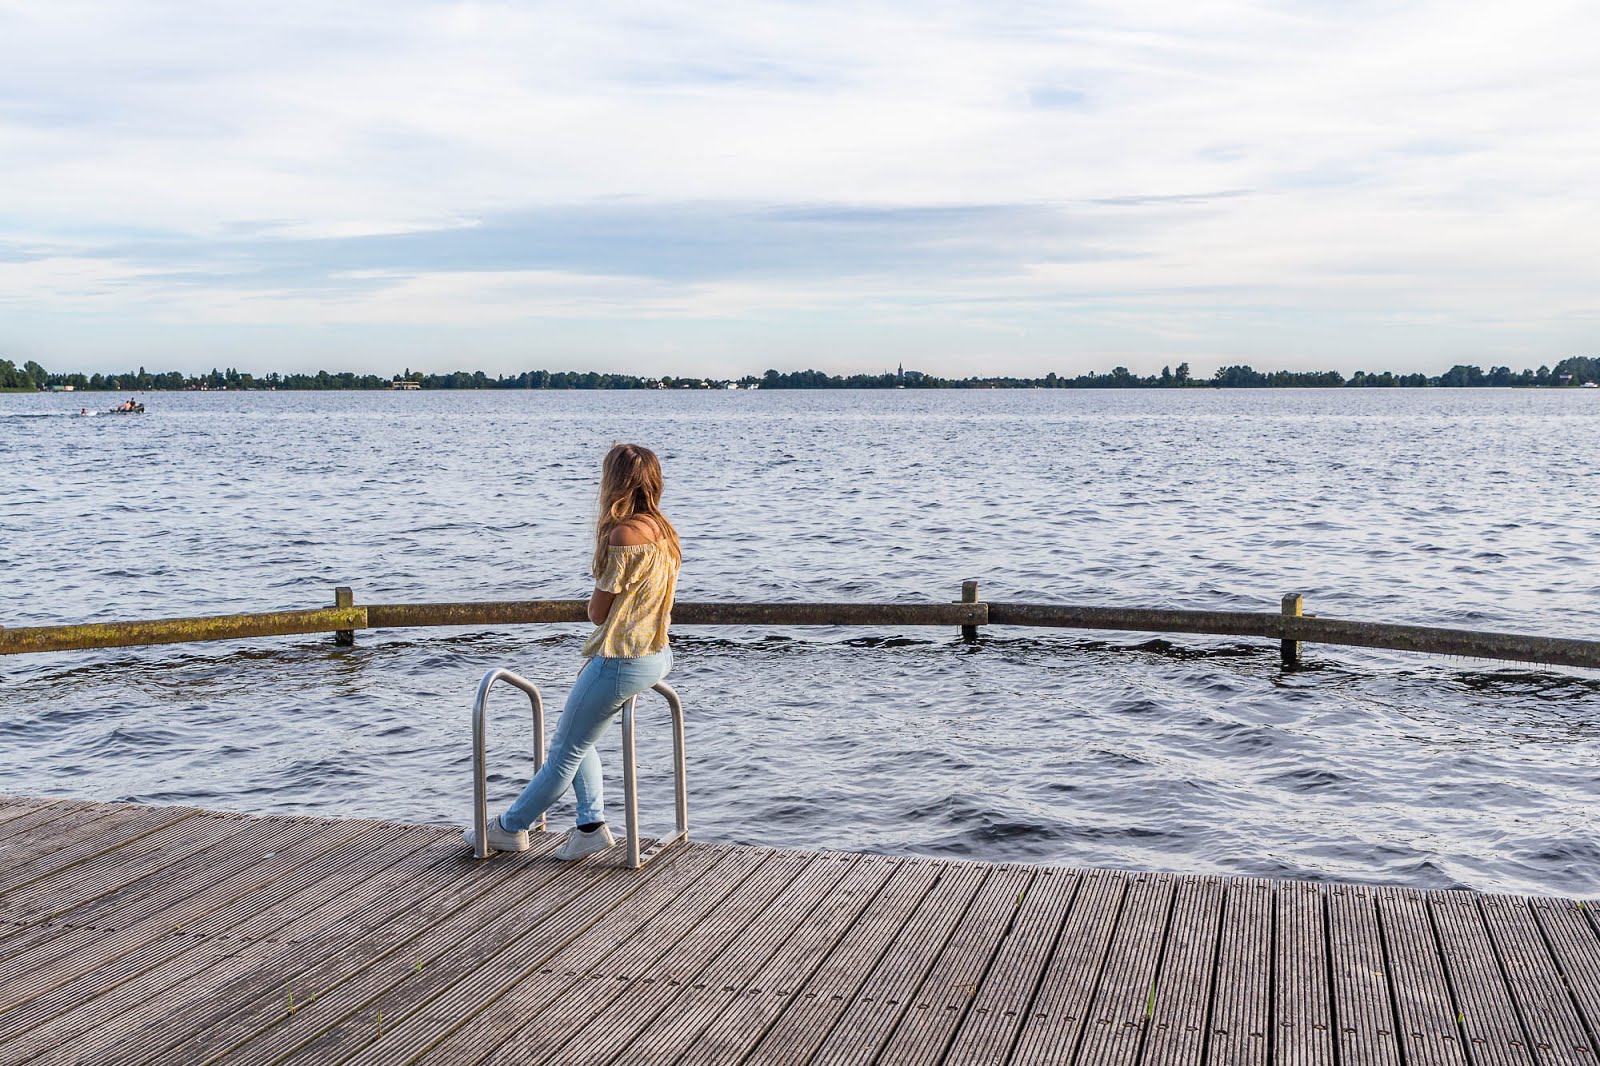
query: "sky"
964, 188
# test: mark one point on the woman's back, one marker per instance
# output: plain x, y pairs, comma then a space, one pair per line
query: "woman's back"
642, 572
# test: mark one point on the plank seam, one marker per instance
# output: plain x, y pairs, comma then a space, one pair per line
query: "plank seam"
800, 984
1044, 971
1530, 1045
1335, 1030
1099, 974
1272, 975
1401, 1037
650, 873
485, 922
966, 1008
1449, 975
1161, 962
893, 1029
868, 971
1566, 982
1216, 968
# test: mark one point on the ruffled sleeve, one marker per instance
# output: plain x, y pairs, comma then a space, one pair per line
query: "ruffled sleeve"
615, 576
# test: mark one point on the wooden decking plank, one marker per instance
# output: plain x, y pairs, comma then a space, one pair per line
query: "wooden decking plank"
950, 984
439, 1004
738, 949
191, 992
1367, 1026
1487, 1016
872, 1014
592, 970
20, 829
1429, 1032
103, 996
157, 935
645, 972
805, 1020
185, 880
1114, 1026
1574, 937
12, 807
54, 828
65, 882
1302, 1004
1175, 1029
988, 1028
829, 958
92, 950
80, 837
106, 954
1546, 1010
770, 957
196, 877
576, 984
527, 918
249, 992
1241, 1001
163, 874
1066, 991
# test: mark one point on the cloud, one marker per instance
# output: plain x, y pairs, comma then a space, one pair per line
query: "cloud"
808, 171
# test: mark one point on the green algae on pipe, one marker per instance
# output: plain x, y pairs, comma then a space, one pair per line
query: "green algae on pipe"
491, 613
179, 630
522, 612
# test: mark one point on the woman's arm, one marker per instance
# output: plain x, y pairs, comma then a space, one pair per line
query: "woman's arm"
600, 606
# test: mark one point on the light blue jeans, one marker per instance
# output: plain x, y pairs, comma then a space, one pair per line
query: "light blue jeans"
597, 697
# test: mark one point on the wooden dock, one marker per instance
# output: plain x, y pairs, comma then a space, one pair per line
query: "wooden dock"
133, 934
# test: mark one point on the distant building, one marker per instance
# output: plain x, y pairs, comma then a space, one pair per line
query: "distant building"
406, 386
62, 388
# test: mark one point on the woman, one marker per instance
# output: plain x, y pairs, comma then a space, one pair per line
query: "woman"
636, 560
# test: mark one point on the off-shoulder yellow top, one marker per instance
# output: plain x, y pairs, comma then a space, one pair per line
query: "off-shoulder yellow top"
644, 578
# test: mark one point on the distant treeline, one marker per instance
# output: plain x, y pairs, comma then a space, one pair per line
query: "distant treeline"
1577, 370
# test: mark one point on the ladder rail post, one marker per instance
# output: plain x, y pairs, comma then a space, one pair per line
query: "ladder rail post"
630, 785
680, 766
480, 768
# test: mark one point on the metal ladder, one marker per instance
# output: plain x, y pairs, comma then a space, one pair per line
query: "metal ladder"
480, 799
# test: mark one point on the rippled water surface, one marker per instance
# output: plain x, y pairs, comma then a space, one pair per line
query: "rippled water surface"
1471, 508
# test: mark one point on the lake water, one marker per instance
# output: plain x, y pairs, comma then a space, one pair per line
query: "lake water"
1472, 508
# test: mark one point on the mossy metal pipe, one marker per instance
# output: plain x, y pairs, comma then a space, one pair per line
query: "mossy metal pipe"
180, 630
1555, 651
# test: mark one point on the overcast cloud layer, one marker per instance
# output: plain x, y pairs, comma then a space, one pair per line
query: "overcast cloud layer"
969, 188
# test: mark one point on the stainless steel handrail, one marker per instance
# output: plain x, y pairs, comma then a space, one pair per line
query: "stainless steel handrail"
480, 783
630, 778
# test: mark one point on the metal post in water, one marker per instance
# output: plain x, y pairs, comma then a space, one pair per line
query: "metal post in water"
969, 594
344, 597
1293, 607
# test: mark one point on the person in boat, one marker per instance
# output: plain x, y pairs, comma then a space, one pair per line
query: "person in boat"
635, 568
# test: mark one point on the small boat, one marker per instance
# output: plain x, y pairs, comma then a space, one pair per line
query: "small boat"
132, 409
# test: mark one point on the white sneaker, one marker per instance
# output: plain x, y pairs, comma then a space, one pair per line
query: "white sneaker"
578, 843
500, 838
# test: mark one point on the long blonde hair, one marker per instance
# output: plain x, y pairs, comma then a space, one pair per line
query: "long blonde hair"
630, 487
